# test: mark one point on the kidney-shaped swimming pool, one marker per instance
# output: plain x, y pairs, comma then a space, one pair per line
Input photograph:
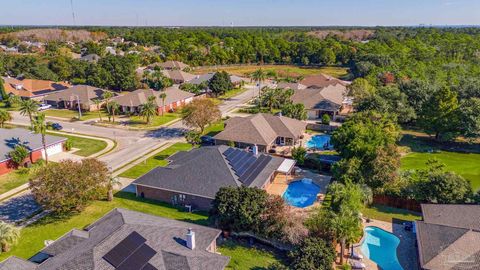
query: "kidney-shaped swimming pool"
301, 193
380, 246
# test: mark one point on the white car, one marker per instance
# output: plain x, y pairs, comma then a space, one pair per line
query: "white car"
43, 106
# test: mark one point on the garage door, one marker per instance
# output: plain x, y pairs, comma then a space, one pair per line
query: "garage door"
53, 149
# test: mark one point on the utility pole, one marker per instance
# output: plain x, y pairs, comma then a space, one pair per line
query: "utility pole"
73, 13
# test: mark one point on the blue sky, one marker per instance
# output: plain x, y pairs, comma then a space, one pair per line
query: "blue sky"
240, 12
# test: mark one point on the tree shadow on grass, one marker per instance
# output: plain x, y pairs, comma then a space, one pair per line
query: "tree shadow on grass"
133, 197
427, 144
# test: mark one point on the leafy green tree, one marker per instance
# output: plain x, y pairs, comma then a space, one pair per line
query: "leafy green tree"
9, 235
220, 83
296, 111
69, 186
200, 113
327, 56
298, 154
28, 107
470, 117
40, 127
157, 81
5, 116
19, 154
360, 88
193, 137
312, 254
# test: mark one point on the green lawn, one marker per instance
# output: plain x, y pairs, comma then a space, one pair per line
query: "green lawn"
13, 179
154, 161
72, 114
140, 122
86, 146
232, 93
3, 105
32, 237
243, 257
390, 214
214, 128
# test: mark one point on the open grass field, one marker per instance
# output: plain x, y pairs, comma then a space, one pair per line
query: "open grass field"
246, 257
390, 214
140, 122
154, 161
86, 146
459, 157
282, 70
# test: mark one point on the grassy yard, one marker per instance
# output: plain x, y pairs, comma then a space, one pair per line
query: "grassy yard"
390, 214
13, 179
72, 114
154, 161
214, 129
244, 257
459, 157
232, 93
86, 146
32, 237
140, 122
282, 70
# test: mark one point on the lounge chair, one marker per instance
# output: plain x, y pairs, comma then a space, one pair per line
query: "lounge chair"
355, 255
357, 265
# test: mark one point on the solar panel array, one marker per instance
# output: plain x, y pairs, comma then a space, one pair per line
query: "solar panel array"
131, 253
246, 165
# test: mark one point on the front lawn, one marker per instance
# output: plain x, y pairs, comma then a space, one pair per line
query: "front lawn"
14, 179
156, 121
245, 257
154, 161
73, 114
32, 237
214, 128
390, 214
232, 93
86, 146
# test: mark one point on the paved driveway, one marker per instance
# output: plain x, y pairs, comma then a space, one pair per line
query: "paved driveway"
64, 155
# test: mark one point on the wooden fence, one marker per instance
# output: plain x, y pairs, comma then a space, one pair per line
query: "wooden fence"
321, 127
407, 204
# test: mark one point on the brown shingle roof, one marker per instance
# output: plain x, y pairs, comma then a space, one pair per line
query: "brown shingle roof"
31, 88
327, 98
178, 75
261, 129
140, 96
86, 94
170, 65
449, 237
321, 80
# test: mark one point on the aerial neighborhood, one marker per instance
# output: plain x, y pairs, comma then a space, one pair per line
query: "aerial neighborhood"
305, 148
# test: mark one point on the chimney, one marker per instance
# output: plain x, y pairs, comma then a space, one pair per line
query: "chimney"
255, 150
191, 239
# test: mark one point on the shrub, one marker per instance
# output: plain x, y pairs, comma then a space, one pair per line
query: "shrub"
299, 153
193, 137
19, 154
68, 145
313, 254
326, 119
9, 235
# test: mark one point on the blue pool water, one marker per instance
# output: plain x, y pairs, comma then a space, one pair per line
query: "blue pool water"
301, 193
381, 247
321, 142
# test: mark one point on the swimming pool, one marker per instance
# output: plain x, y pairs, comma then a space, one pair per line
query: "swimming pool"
301, 193
381, 247
321, 142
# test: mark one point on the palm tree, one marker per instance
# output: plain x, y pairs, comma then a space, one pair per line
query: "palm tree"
163, 96
259, 76
98, 103
270, 99
4, 117
112, 181
149, 109
107, 95
40, 127
28, 107
9, 235
113, 109
347, 228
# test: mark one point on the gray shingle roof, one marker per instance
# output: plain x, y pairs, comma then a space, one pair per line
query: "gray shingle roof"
202, 172
206, 77
15, 263
163, 235
140, 96
261, 129
11, 137
448, 237
85, 93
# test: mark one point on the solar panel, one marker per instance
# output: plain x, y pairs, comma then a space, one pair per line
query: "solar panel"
125, 248
239, 160
149, 267
138, 259
259, 166
237, 165
228, 151
234, 154
244, 168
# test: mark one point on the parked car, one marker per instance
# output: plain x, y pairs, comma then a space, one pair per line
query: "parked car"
57, 126
207, 140
43, 106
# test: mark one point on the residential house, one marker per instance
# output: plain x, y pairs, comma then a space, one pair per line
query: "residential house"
32, 89
92, 58
170, 65
178, 76
193, 178
175, 98
199, 79
9, 138
126, 239
321, 80
266, 131
448, 237
293, 86
71, 98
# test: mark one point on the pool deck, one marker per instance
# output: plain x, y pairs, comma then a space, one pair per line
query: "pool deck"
280, 184
406, 251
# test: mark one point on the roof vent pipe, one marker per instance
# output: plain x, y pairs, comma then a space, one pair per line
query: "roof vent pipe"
191, 239
255, 150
